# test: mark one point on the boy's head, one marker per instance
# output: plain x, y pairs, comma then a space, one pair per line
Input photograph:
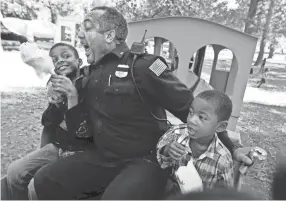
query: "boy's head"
209, 113
65, 59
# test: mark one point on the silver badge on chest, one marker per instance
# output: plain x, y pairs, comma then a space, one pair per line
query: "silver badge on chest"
121, 71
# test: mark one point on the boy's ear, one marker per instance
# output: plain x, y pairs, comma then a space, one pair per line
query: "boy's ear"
80, 62
222, 126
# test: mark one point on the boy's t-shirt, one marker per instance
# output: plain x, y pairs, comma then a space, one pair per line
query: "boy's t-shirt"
215, 166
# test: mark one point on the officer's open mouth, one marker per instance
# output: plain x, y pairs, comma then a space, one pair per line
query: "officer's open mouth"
87, 50
191, 130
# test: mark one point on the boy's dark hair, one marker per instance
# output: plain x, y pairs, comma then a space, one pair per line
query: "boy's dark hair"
221, 102
66, 45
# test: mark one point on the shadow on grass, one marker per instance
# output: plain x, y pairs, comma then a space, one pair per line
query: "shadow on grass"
263, 126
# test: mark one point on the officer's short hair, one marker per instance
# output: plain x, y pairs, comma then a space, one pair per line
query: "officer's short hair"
219, 100
111, 19
66, 45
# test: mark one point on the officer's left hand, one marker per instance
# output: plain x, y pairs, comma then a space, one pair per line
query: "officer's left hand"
64, 85
241, 154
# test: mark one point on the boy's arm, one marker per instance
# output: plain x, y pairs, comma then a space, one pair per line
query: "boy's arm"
166, 139
225, 173
77, 122
52, 116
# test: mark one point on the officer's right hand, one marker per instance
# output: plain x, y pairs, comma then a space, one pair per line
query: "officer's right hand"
175, 150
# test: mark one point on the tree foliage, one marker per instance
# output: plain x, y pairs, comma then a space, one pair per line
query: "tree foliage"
216, 10
265, 32
249, 16
29, 9
18, 8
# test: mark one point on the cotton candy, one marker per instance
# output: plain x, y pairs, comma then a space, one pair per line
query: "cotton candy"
38, 59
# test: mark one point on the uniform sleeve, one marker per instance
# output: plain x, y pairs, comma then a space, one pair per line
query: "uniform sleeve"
52, 116
224, 138
77, 122
163, 86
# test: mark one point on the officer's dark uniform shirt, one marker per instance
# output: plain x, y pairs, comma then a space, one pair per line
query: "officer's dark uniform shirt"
123, 127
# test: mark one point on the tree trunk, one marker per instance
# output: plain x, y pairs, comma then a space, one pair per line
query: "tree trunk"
250, 15
262, 67
271, 51
272, 46
53, 13
261, 51
265, 33
53, 16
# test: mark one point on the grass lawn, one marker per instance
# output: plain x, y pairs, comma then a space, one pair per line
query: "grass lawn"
262, 122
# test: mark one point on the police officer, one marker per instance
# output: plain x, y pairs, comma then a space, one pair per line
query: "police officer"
127, 110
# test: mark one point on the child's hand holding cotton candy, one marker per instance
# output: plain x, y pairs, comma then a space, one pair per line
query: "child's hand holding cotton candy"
54, 97
38, 59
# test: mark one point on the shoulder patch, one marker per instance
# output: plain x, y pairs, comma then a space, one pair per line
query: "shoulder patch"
158, 67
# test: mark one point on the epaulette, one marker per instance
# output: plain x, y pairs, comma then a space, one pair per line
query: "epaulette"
148, 57
152, 58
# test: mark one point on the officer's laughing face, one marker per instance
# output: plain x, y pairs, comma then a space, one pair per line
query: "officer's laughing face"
92, 41
96, 43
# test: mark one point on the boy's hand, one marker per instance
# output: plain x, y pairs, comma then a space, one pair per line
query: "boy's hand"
64, 85
53, 96
175, 150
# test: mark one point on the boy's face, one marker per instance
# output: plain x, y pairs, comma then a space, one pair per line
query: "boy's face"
64, 60
202, 121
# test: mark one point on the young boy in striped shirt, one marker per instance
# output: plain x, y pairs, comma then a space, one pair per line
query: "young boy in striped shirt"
197, 141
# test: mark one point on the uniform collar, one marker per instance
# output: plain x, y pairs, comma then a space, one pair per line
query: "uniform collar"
120, 49
118, 52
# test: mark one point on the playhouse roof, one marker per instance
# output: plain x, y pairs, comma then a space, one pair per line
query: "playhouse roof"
194, 19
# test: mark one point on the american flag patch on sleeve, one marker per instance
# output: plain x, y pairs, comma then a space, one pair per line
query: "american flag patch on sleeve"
158, 67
